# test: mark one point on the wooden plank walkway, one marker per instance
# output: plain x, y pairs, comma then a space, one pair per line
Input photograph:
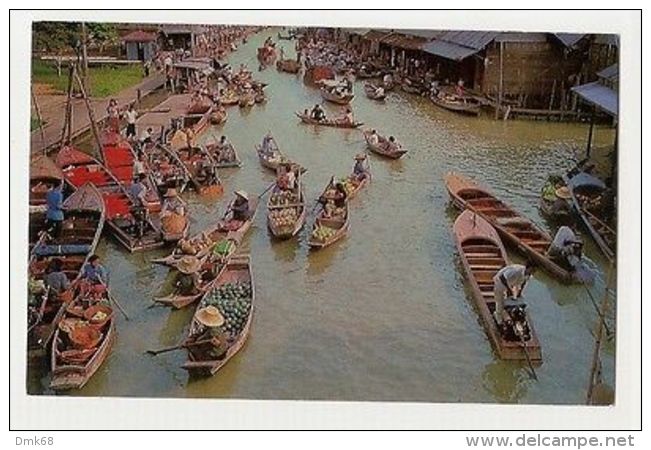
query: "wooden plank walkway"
53, 112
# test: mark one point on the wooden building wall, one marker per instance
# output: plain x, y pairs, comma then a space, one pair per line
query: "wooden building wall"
534, 74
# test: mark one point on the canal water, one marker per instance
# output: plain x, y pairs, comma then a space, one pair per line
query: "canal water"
384, 314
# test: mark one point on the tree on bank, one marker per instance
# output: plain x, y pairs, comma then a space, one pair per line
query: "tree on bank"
65, 37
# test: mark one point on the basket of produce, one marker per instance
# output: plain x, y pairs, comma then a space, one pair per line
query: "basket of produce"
84, 337
174, 223
222, 248
234, 303
66, 325
284, 217
322, 233
98, 315
75, 309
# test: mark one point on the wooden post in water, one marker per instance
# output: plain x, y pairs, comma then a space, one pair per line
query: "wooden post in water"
501, 83
84, 55
38, 117
91, 114
590, 132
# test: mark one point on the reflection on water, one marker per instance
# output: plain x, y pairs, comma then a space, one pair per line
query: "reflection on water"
384, 314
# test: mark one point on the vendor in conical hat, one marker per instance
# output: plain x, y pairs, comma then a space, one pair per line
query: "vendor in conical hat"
361, 169
241, 206
563, 192
172, 203
189, 265
190, 281
212, 332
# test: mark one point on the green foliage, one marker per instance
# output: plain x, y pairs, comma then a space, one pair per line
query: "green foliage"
55, 37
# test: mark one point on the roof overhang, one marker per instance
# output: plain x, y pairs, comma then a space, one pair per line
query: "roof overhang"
599, 95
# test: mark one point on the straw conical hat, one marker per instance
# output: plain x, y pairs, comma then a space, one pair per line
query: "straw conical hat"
189, 264
210, 317
171, 192
563, 192
242, 194
360, 156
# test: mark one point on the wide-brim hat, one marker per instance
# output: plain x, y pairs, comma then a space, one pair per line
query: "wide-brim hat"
563, 192
242, 194
171, 192
360, 156
210, 317
189, 264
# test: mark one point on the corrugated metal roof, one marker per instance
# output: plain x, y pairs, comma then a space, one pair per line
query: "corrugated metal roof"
447, 50
358, 31
607, 39
570, 39
473, 39
427, 34
610, 73
376, 35
512, 36
403, 41
599, 95
140, 36
182, 29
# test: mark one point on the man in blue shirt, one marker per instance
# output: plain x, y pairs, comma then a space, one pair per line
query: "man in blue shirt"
54, 215
94, 271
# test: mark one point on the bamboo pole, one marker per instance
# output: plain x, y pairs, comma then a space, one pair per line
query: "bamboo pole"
91, 114
603, 309
65, 132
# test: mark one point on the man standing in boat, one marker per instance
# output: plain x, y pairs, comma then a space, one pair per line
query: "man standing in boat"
510, 282
54, 215
373, 138
138, 192
360, 169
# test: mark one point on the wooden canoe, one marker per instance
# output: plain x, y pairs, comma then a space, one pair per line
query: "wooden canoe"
370, 91
582, 193
80, 168
327, 122
217, 232
199, 362
201, 169
382, 147
247, 99
73, 367
166, 169
330, 96
515, 229
43, 174
357, 185
119, 158
482, 255
288, 65
218, 116
454, 103
82, 227
273, 161
340, 225
221, 163
230, 98
287, 231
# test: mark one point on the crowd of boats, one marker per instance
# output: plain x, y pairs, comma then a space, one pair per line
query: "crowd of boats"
133, 190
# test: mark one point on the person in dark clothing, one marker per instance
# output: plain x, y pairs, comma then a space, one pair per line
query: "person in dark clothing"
54, 215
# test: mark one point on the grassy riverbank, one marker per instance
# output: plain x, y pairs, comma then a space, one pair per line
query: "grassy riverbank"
104, 81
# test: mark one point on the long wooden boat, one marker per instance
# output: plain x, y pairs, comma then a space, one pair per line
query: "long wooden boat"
230, 98
411, 88
201, 169
73, 365
516, 230
80, 232
266, 56
220, 162
327, 122
167, 170
274, 160
43, 174
288, 65
119, 158
371, 92
482, 256
80, 168
247, 99
339, 99
354, 186
315, 74
200, 244
454, 103
286, 219
382, 148
218, 116
364, 74
200, 361
588, 200
328, 230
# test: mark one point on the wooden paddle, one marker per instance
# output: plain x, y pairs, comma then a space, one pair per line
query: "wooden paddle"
177, 347
112, 299
523, 343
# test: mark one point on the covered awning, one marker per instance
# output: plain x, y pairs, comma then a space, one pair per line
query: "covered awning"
404, 41
599, 95
376, 35
586, 180
448, 50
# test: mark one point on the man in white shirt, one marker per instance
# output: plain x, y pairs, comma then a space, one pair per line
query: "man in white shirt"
145, 136
131, 115
373, 139
566, 246
509, 282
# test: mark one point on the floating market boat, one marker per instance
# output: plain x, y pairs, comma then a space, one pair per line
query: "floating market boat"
288, 65
201, 244
119, 158
230, 98
247, 99
589, 198
482, 256
315, 74
43, 174
383, 147
353, 185
554, 200
201, 169
371, 92
286, 211
459, 104
135, 235
80, 232
365, 72
223, 160
84, 337
167, 170
233, 294
266, 56
218, 116
274, 159
336, 123
334, 97
328, 229
514, 228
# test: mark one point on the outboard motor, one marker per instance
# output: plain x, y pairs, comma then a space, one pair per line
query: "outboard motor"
516, 327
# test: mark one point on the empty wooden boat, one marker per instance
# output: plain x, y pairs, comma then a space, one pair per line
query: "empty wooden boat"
515, 229
459, 104
482, 255
204, 359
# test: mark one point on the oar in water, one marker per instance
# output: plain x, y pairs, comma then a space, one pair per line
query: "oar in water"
112, 299
599, 313
267, 190
177, 347
523, 343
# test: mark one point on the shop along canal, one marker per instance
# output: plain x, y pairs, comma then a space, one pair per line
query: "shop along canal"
384, 314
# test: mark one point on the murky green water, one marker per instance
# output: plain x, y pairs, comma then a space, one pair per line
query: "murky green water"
384, 313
